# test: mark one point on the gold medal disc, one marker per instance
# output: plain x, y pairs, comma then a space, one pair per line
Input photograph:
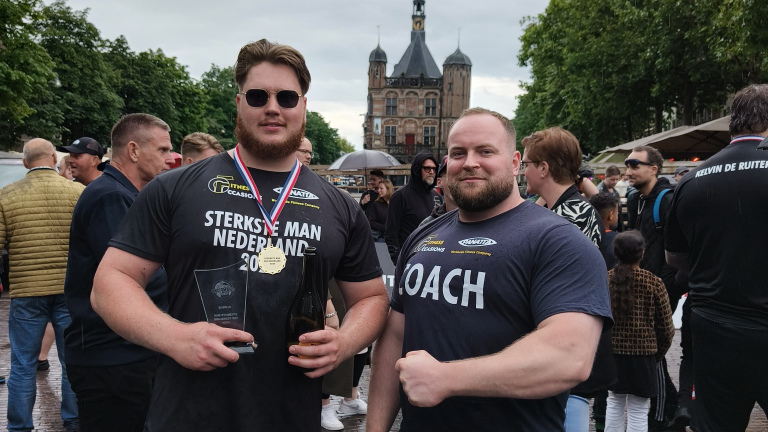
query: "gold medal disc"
271, 260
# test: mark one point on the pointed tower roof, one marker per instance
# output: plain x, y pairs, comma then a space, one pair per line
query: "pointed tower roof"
417, 60
458, 58
378, 55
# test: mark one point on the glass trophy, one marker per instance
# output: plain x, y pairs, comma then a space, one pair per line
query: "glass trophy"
224, 293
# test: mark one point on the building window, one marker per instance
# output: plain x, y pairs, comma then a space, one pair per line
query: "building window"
390, 135
430, 106
391, 106
429, 136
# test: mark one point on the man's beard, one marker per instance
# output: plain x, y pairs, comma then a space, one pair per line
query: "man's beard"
637, 184
476, 199
262, 150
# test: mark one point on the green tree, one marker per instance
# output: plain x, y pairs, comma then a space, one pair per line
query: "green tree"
221, 110
152, 83
345, 146
26, 77
613, 70
324, 138
85, 92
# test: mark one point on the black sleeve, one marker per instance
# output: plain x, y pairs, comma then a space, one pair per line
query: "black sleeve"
367, 205
674, 238
146, 229
108, 211
392, 227
375, 216
360, 262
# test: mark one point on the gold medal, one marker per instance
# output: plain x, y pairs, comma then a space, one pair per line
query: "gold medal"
271, 259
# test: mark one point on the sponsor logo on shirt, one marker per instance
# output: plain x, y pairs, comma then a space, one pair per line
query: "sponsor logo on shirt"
430, 244
223, 184
477, 242
298, 194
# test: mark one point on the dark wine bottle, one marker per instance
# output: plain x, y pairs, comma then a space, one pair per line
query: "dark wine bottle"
307, 312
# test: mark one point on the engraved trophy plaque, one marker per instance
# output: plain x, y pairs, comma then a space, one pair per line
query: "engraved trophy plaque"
224, 293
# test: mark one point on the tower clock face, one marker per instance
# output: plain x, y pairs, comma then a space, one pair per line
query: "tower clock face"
418, 24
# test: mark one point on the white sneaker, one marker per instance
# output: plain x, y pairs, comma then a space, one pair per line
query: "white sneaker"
328, 419
355, 406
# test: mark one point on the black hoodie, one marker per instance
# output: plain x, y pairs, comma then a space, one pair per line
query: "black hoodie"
640, 212
410, 205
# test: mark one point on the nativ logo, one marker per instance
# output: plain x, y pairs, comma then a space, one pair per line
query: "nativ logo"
477, 241
298, 194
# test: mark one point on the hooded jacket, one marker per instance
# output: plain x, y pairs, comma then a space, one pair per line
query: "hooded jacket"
410, 205
640, 215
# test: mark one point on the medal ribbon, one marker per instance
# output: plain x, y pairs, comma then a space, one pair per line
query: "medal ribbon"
747, 138
269, 218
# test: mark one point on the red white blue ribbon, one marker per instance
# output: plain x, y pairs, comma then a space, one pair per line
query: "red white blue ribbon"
269, 217
747, 138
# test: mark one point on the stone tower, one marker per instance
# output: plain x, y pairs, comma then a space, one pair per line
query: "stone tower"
413, 109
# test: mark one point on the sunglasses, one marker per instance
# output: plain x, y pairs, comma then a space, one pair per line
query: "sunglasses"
258, 98
635, 162
429, 169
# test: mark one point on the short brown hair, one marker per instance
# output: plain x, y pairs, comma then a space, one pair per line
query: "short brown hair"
265, 51
559, 148
612, 170
654, 156
509, 127
198, 142
749, 112
131, 127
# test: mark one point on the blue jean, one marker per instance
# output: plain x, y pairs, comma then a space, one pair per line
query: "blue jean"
577, 414
27, 320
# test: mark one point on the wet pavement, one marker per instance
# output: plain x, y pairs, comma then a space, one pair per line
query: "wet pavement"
47, 418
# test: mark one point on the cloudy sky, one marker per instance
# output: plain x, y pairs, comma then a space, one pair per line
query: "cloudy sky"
335, 36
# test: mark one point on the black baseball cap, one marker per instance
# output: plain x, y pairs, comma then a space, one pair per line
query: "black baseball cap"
85, 145
443, 166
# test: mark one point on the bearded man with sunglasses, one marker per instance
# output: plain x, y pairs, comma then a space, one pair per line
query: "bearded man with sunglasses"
247, 214
412, 203
643, 167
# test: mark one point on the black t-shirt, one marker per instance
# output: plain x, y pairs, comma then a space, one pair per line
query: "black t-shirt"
202, 217
719, 217
472, 289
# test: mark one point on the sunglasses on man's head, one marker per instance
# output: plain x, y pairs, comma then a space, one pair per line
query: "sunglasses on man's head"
258, 98
635, 162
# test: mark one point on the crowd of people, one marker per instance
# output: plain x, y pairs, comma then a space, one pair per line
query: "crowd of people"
509, 311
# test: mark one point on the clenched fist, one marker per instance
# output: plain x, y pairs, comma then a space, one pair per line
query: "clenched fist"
423, 379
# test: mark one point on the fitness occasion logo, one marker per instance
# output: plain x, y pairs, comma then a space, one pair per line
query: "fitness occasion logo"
223, 184
430, 244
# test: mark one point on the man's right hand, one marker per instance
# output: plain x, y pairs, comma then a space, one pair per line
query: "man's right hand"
365, 199
200, 346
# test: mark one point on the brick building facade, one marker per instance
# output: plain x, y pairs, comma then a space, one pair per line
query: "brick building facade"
415, 107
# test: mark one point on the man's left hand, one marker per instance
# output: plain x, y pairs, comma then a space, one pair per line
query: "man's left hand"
422, 378
322, 355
